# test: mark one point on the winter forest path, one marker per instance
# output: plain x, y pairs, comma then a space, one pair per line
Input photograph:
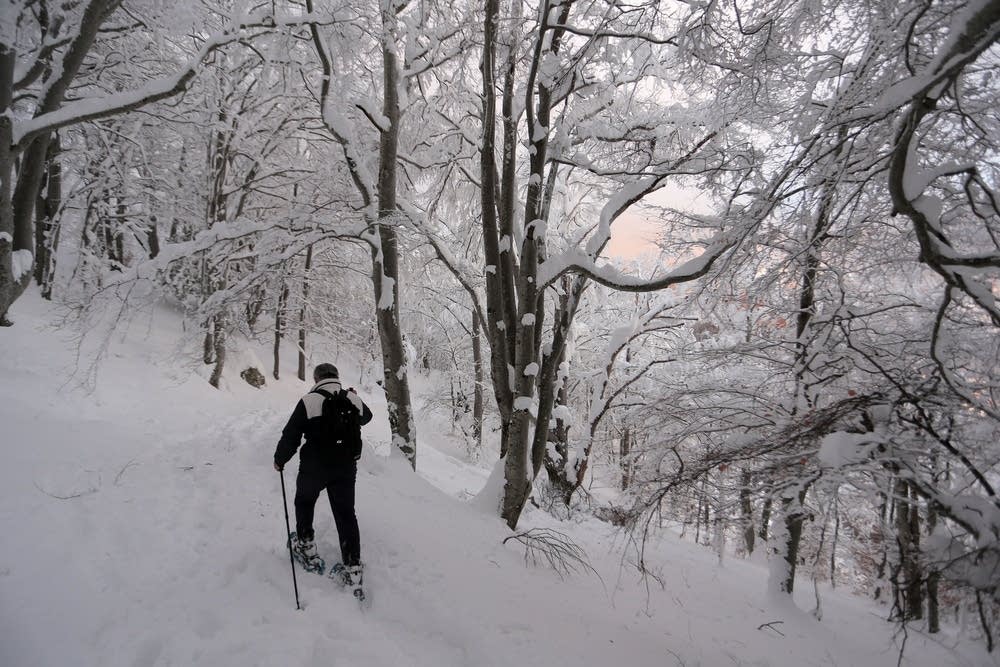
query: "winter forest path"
143, 526
147, 529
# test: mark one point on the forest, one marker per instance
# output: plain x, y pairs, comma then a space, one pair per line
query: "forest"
801, 359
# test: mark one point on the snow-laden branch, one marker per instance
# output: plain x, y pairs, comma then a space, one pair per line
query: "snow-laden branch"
342, 128
343, 131
228, 232
646, 323
462, 272
908, 186
980, 516
94, 108
27, 73
579, 261
434, 54
368, 108
611, 34
973, 30
981, 400
584, 261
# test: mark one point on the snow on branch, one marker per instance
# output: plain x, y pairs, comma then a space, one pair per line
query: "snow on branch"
601, 34
101, 107
972, 31
458, 268
908, 187
226, 232
370, 110
578, 261
342, 128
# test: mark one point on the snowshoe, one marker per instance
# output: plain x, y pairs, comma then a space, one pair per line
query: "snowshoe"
305, 554
339, 574
349, 577
355, 578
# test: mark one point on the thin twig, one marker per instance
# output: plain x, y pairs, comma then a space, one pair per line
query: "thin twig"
554, 549
122, 471
770, 626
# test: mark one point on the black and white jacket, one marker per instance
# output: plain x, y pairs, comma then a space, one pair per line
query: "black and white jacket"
317, 452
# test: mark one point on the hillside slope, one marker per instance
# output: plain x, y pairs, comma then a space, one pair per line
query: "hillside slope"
143, 525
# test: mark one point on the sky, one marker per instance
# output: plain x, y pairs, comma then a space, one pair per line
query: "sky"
631, 236
635, 231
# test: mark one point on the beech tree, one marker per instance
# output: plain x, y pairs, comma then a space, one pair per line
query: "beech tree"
565, 68
425, 40
876, 379
44, 52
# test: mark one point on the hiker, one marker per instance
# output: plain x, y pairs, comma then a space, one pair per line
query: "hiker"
330, 418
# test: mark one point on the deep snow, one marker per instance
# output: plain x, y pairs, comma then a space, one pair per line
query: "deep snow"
142, 525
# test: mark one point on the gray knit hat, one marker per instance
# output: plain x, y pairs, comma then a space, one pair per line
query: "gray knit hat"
325, 372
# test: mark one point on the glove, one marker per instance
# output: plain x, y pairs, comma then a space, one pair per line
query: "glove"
277, 467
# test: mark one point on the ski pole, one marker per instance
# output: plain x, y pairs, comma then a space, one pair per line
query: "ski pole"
288, 531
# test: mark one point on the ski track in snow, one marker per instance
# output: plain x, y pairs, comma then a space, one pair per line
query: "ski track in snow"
144, 526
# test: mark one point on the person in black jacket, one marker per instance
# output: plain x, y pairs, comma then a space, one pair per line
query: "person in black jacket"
328, 460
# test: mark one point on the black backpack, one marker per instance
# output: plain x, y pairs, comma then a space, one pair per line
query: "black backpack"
341, 422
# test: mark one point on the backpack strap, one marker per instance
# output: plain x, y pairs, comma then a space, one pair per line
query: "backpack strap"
325, 394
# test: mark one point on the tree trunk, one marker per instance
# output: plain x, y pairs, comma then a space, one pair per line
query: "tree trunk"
765, 518
700, 498
746, 509
115, 231
908, 580
785, 552
552, 380
498, 324
8, 284
793, 514
836, 538
46, 210
624, 454
933, 577
557, 456
17, 205
914, 575
706, 506
561, 443
208, 344
153, 238
477, 396
302, 314
219, 348
880, 569
30, 175
279, 328
385, 257
793, 523
519, 468
984, 621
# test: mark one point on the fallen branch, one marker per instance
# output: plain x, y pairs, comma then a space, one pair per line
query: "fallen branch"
554, 549
770, 626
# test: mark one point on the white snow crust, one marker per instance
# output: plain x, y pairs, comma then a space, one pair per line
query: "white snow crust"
143, 525
21, 261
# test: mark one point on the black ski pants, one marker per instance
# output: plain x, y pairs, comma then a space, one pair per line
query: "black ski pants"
339, 485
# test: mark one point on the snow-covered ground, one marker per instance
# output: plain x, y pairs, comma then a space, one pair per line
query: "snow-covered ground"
142, 525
